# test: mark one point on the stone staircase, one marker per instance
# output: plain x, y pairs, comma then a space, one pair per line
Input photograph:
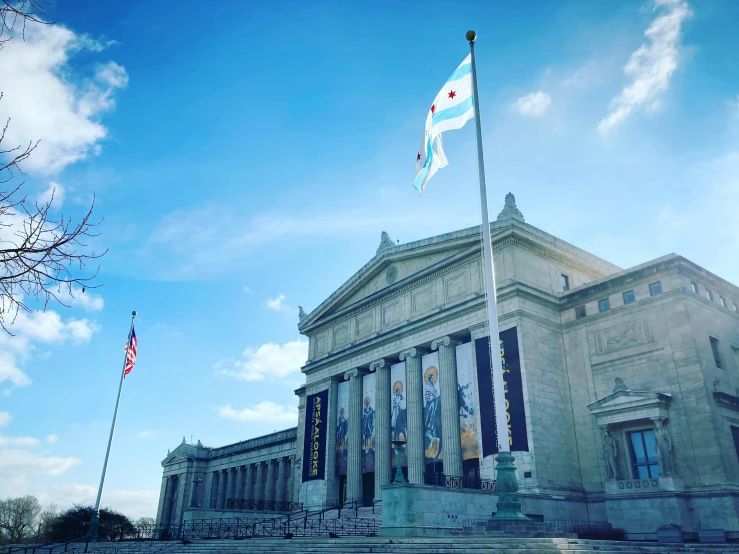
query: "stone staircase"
452, 545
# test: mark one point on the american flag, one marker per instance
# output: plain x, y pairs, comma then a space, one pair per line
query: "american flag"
130, 353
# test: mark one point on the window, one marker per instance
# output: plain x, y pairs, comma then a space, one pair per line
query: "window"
722, 301
580, 312
735, 436
735, 353
644, 463
604, 305
716, 352
655, 288
629, 297
565, 282
709, 295
694, 286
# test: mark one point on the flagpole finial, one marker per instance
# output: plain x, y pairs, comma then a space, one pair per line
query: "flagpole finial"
471, 35
133, 313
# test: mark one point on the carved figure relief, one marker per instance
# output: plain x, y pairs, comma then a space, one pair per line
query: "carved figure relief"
610, 453
664, 450
623, 336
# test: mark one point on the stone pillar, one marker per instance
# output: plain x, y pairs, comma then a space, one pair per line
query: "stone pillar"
259, 484
228, 477
414, 413
214, 485
239, 482
354, 438
269, 486
449, 391
332, 479
248, 486
382, 426
168, 494
207, 489
280, 488
291, 494
220, 500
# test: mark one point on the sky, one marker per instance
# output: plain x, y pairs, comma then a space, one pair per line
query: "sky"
245, 158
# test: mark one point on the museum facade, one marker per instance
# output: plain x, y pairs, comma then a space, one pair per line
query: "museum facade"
622, 390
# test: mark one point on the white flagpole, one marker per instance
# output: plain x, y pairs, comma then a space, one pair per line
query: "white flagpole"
506, 483
501, 422
93, 529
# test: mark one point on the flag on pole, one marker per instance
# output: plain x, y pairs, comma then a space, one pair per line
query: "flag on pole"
451, 109
130, 353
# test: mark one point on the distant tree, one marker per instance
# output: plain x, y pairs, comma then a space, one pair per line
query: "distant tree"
75, 521
47, 517
145, 521
18, 518
41, 255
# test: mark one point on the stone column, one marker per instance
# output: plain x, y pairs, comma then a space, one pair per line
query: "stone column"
382, 425
259, 484
222, 478
332, 480
449, 391
228, 477
354, 438
248, 486
239, 483
280, 487
168, 494
269, 486
291, 495
214, 483
414, 413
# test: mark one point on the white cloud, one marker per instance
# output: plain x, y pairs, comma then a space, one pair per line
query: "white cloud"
43, 101
17, 442
52, 439
269, 360
247, 290
148, 434
5, 418
41, 327
534, 104
652, 65
276, 304
55, 191
264, 411
87, 300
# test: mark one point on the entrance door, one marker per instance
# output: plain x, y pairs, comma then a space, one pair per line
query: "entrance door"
368, 488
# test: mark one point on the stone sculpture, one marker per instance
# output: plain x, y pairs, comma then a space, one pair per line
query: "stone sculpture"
610, 453
664, 450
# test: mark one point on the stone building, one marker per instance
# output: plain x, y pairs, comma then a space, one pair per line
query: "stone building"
623, 388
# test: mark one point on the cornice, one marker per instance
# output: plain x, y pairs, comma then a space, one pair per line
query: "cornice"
547, 253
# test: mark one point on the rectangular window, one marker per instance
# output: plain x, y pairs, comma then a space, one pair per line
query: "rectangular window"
565, 282
722, 301
604, 305
709, 295
629, 297
694, 286
735, 436
643, 452
655, 288
580, 312
716, 352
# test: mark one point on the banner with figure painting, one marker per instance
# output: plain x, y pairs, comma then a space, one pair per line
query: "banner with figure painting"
368, 422
467, 404
398, 413
314, 448
342, 426
431, 409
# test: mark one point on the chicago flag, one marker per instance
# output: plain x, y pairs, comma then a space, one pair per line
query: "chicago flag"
451, 109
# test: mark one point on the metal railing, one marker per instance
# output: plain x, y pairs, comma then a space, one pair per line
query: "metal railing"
456, 482
263, 505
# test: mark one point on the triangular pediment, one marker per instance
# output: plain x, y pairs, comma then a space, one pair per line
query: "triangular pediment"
627, 405
174, 458
392, 268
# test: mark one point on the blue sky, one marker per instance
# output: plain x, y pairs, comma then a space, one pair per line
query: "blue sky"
246, 158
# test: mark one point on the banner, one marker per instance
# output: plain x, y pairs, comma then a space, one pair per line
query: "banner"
314, 450
466, 390
398, 413
368, 423
431, 409
342, 426
515, 413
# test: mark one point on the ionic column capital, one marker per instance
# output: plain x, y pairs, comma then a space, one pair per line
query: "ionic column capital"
414, 352
352, 374
444, 341
378, 364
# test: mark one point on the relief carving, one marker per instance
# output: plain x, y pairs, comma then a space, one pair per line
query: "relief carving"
423, 300
321, 344
341, 335
622, 337
365, 324
392, 313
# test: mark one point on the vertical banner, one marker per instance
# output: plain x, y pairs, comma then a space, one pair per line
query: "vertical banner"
368, 423
398, 415
342, 425
467, 408
515, 413
314, 449
431, 408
